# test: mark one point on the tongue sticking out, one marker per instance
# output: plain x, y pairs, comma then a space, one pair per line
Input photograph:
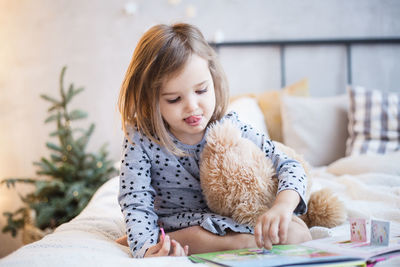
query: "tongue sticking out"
193, 119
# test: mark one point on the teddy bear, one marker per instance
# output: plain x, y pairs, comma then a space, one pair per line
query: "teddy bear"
237, 180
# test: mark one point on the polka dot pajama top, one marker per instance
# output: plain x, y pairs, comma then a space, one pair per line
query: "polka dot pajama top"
160, 189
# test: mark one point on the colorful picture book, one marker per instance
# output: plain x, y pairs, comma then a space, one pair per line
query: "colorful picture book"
332, 251
362, 246
368, 250
279, 255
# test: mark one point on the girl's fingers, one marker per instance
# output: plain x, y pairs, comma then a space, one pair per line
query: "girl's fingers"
267, 243
181, 250
258, 234
265, 235
150, 252
173, 248
159, 244
165, 248
177, 249
283, 229
153, 250
273, 231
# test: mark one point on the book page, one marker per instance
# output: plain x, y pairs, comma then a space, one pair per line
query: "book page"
279, 255
343, 245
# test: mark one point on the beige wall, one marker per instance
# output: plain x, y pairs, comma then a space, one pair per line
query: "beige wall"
96, 39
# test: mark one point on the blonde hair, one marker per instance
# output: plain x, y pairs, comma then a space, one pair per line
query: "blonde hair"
161, 53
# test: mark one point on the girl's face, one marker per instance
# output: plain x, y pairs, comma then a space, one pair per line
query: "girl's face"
187, 101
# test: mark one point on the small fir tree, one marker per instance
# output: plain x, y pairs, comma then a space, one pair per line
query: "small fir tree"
71, 175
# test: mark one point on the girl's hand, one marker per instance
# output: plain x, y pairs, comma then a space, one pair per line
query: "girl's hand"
272, 226
167, 247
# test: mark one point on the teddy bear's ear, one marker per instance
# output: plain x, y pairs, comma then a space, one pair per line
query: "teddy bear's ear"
222, 135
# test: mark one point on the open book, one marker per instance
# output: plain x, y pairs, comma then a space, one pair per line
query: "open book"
279, 255
365, 250
333, 251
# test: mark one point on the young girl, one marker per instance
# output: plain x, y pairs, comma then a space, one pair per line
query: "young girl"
173, 89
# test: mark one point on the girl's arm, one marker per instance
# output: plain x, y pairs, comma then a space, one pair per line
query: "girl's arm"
200, 240
136, 196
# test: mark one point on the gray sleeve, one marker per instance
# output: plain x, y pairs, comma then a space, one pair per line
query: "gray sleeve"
136, 197
291, 175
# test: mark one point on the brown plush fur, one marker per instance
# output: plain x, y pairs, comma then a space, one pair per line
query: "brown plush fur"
237, 180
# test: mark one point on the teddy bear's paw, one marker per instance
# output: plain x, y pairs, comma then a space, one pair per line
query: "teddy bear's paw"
318, 232
324, 209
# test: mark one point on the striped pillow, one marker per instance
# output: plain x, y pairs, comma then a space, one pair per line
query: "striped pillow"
374, 122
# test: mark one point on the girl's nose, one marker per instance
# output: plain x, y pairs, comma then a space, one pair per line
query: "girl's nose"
191, 104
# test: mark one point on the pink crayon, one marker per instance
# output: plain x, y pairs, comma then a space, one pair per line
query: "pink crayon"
162, 233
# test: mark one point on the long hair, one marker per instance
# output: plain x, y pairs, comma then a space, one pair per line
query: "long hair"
161, 53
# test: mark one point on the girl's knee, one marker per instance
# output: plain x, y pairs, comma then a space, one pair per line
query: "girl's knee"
305, 236
298, 232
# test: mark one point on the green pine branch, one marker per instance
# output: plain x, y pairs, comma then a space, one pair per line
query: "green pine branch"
69, 177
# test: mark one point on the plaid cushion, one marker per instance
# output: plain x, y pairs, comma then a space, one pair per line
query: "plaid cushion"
374, 122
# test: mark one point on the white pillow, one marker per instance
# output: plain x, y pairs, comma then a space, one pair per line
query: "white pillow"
315, 127
249, 112
357, 164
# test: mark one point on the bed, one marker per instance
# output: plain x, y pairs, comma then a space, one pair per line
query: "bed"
364, 178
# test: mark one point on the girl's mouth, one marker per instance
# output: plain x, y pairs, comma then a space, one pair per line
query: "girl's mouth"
193, 120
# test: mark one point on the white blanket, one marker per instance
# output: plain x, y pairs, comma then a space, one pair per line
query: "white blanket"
88, 240
370, 195
371, 191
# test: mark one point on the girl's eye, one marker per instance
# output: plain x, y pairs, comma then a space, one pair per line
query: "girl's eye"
202, 91
174, 100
